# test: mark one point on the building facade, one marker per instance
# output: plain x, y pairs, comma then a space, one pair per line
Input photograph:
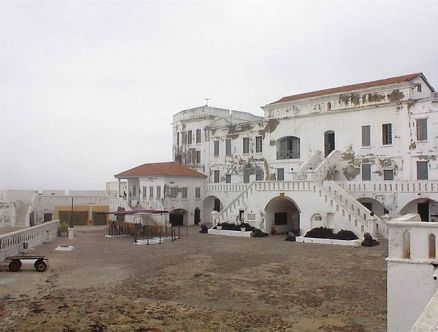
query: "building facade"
347, 157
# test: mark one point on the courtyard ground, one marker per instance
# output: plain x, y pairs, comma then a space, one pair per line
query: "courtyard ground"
198, 283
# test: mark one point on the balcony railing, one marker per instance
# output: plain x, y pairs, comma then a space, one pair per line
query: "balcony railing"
288, 155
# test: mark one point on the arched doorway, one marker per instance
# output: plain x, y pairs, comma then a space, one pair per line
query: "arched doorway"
282, 215
211, 203
178, 217
197, 216
373, 205
425, 207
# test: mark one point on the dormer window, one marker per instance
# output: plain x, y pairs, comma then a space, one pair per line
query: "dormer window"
329, 106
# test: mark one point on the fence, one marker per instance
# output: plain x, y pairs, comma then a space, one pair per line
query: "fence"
12, 243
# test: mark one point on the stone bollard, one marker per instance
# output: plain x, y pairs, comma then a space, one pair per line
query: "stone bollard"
71, 233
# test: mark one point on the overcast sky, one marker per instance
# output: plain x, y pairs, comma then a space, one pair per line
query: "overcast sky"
88, 88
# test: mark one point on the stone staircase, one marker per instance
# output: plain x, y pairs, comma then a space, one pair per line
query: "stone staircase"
346, 212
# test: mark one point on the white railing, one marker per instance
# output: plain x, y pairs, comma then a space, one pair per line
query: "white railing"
345, 210
225, 187
425, 186
262, 186
326, 165
237, 201
311, 163
12, 243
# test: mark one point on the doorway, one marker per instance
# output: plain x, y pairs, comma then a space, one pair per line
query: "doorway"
423, 211
329, 142
197, 216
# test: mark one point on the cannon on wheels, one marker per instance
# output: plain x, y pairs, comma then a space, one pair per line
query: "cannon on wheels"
40, 263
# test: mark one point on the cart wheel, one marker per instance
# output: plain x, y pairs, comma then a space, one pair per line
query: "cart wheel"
40, 265
15, 265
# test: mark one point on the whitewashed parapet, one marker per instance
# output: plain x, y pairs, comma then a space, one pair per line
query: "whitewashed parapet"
12, 243
411, 239
428, 186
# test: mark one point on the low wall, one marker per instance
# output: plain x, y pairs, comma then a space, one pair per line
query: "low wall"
351, 243
229, 233
12, 243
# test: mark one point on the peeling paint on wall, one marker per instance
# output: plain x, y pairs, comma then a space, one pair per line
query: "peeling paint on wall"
396, 96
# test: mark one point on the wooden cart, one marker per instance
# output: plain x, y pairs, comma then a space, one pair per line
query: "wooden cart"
15, 262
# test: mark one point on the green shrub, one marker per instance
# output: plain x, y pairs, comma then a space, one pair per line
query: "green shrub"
345, 235
320, 233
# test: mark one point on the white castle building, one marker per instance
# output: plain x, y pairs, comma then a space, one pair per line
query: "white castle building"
349, 157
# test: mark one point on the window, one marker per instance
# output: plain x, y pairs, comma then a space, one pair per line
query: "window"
366, 131
216, 148
259, 175
422, 170
134, 191
246, 176
245, 145
189, 157
151, 192
198, 157
184, 192
280, 218
280, 174
228, 147
177, 138
189, 137
144, 192
173, 192
197, 192
259, 144
329, 106
198, 135
387, 134
288, 148
228, 178
421, 129
216, 176
366, 172
388, 174
418, 87
158, 192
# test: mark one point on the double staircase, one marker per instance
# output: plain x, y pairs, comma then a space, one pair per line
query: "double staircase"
311, 181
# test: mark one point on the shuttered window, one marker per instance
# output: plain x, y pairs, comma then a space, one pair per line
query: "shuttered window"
366, 172
422, 170
366, 133
421, 129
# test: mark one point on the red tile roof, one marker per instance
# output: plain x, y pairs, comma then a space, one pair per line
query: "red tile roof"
160, 169
352, 87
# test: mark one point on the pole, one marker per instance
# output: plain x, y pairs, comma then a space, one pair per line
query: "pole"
71, 214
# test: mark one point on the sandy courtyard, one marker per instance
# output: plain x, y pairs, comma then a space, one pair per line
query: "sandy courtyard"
198, 283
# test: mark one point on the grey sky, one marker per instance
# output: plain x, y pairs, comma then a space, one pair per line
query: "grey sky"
88, 89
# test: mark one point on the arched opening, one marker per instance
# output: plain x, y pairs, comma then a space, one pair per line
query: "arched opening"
406, 248
316, 221
178, 217
432, 246
329, 106
211, 203
288, 147
329, 142
282, 215
426, 208
373, 205
197, 216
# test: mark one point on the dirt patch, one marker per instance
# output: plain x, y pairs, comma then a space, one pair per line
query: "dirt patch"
199, 283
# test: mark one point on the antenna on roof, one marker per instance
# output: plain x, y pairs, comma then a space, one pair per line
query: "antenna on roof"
206, 101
